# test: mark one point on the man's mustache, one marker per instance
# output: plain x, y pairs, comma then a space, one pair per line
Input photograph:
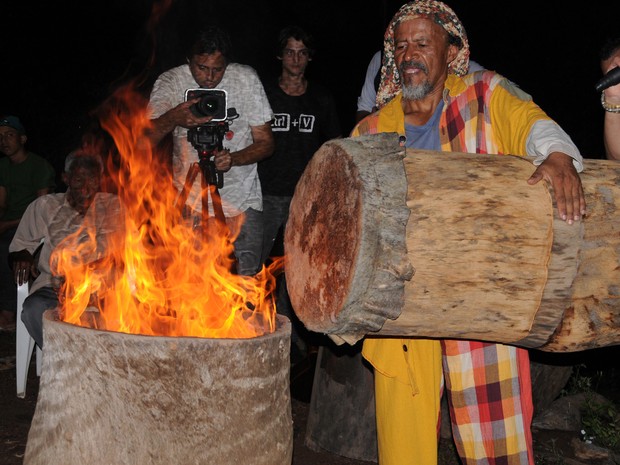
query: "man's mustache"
413, 64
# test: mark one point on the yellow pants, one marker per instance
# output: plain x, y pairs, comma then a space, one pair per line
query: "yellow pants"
400, 389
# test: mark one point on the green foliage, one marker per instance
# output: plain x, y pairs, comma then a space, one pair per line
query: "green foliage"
577, 382
600, 420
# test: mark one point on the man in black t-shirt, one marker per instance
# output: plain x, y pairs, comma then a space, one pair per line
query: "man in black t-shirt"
305, 117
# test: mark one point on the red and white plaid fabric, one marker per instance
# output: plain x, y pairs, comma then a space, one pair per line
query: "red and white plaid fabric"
490, 397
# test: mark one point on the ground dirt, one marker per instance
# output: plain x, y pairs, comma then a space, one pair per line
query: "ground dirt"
552, 447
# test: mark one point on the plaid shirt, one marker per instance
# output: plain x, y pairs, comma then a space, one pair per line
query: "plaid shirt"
473, 119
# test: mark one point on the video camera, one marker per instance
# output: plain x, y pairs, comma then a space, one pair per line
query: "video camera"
212, 103
209, 137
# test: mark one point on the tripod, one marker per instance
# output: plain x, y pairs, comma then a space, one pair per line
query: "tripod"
206, 139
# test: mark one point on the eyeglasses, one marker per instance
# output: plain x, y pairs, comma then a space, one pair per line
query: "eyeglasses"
290, 53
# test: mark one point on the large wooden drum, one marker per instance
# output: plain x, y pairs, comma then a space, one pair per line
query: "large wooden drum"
392, 242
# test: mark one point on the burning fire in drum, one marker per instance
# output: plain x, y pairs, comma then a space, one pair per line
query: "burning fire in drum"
152, 272
159, 353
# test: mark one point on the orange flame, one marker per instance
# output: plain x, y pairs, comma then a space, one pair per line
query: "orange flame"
158, 275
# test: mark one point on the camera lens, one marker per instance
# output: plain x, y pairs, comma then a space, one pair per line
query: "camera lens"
208, 105
210, 102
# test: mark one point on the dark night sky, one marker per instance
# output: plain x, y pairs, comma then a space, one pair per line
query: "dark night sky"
61, 59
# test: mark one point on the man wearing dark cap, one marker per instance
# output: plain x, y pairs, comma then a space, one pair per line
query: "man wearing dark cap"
23, 177
427, 96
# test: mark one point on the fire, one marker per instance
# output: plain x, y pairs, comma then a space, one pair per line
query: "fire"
158, 274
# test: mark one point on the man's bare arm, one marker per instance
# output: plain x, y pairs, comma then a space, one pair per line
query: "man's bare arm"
261, 148
559, 171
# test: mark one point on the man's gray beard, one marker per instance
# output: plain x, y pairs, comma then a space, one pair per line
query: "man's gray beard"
416, 92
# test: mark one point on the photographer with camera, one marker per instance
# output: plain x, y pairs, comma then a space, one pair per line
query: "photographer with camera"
192, 120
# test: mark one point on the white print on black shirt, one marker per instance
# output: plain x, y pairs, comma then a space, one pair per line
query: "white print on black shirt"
283, 122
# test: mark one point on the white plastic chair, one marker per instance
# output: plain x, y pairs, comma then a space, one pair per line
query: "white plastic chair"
24, 345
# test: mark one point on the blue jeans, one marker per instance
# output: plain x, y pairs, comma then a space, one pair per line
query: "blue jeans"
34, 307
249, 243
275, 215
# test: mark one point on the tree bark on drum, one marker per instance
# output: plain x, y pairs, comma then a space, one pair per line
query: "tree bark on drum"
492, 261
126, 399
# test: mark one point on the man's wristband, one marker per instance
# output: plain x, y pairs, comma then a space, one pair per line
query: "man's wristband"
610, 107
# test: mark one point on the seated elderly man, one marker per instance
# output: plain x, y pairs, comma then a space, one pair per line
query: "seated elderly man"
49, 220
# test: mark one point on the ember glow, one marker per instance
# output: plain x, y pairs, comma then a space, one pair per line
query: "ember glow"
160, 276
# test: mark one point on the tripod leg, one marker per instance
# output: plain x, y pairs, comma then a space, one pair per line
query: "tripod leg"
193, 171
218, 212
211, 190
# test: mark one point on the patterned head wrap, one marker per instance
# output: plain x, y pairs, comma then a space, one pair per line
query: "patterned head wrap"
443, 15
